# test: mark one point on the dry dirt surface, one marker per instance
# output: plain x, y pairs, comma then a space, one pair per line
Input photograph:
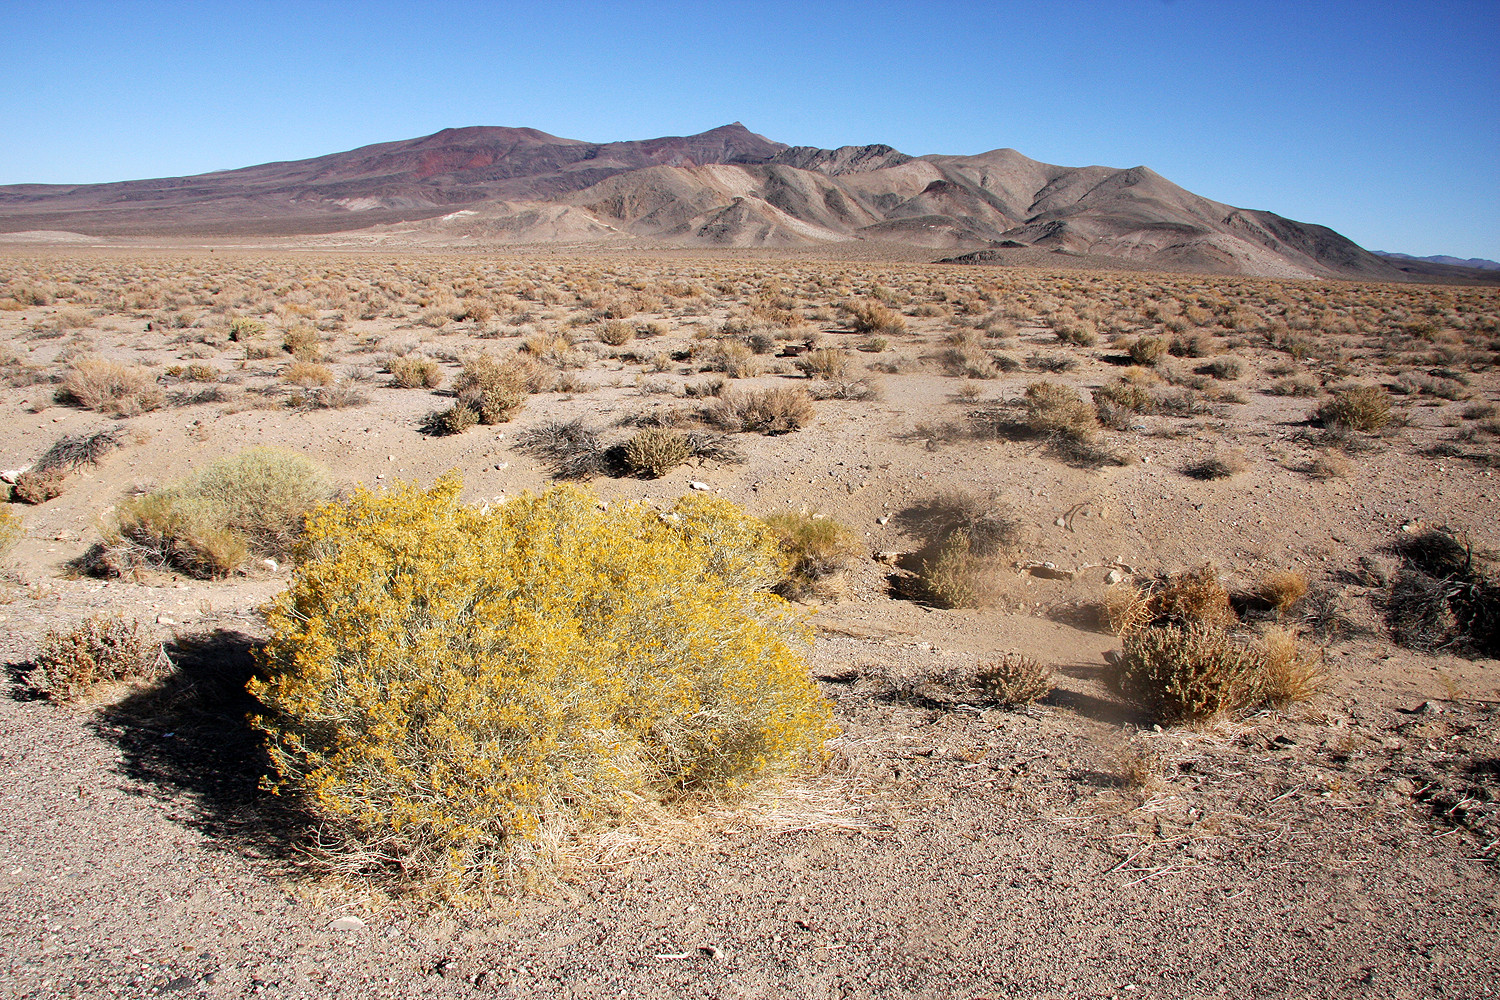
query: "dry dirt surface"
1348, 845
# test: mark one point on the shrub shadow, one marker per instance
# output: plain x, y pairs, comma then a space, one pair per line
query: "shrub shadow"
188, 736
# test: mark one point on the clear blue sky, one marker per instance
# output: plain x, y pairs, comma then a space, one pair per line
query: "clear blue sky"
1379, 119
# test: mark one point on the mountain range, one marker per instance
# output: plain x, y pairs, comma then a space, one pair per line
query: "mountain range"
727, 187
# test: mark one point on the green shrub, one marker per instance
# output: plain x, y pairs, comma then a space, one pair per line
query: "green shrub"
655, 451
951, 578
453, 690
208, 525
96, 650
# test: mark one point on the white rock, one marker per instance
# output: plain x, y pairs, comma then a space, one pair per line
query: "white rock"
695, 485
346, 924
1113, 576
883, 519
11, 475
270, 564
1061, 522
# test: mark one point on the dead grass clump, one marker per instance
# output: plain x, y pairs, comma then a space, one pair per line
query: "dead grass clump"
1329, 465
819, 552
985, 518
654, 452
96, 650
572, 449
1220, 465
767, 411
825, 363
1444, 597
307, 375
1192, 597
1282, 589
414, 372
1014, 679
1290, 672
303, 342
1364, 408
109, 387
1223, 369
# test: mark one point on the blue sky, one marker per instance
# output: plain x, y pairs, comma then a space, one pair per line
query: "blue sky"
1381, 120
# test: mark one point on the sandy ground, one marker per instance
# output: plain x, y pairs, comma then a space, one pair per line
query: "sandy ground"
1344, 847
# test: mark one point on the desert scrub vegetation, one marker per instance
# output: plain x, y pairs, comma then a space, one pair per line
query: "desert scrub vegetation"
210, 524
767, 411
414, 372
489, 392
1364, 408
97, 650
11, 530
109, 387
1014, 679
462, 694
1193, 672
819, 552
655, 451
1445, 596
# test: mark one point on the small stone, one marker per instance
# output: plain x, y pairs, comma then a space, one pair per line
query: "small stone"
164, 620
1061, 522
1113, 577
695, 485
346, 924
883, 519
270, 564
1430, 708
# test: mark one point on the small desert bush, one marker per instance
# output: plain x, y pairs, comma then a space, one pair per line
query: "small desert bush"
303, 343
414, 372
825, 362
1189, 598
96, 650
109, 387
616, 333
243, 328
1329, 465
39, 485
655, 451
1071, 330
954, 576
494, 390
767, 411
1188, 673
734, 358
1014, 679
527, 677
873, 316
1056, 409
307, 375
819, 551
209, 524
1358, 408
1224, 369
1148, 350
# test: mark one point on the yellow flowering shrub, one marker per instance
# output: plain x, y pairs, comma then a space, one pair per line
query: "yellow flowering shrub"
448, 687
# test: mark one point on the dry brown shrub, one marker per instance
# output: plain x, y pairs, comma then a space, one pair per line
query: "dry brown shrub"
655, 451
768, 411
1360, 408
96, 650
1014, 679
1192, 597
1291, 672
1283, 589
414, 372
1329, 465
1053, 408
307, 375
36, 486
871, 316
106, 386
